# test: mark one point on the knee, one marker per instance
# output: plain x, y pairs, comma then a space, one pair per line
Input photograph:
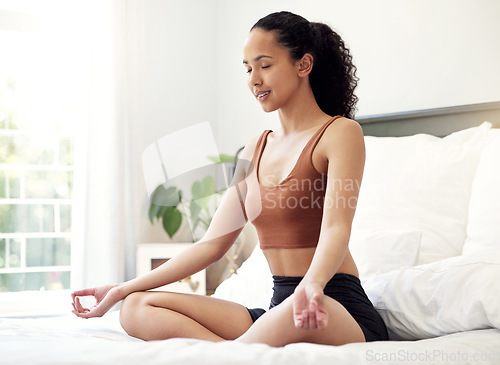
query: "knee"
130, 312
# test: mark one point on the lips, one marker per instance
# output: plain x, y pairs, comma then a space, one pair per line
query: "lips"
262, 95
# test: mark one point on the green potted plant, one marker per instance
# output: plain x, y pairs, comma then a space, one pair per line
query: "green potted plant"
169, 205
165, 203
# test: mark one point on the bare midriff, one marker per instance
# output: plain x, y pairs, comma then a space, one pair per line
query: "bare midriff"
296, 261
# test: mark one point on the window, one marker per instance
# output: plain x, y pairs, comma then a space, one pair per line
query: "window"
36, 181
41, 97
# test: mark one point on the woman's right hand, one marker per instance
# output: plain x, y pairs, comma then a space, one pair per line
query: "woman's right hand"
106, 297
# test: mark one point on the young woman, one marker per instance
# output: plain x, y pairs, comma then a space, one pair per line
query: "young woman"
300, 195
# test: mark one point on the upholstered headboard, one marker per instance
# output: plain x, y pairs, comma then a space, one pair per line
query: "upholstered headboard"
438, 122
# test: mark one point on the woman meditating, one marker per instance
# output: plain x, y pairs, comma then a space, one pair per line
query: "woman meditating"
301, 196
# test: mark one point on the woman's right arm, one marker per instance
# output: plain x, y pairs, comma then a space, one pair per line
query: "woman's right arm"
188, 262
226, 225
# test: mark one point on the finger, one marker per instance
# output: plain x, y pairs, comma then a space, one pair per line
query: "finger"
81, 315
318, 312
305, 318
83, 292
79, 306
90, 314
78, 314
299, 305
312, 321
322, 319
313, 306
298, 320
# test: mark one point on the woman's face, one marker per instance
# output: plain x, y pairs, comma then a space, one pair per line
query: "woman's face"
272, 74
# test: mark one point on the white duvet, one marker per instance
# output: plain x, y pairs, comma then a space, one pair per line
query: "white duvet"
451, 303
70, 340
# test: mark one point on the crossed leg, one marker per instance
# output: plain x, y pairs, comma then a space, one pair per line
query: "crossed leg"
163, 315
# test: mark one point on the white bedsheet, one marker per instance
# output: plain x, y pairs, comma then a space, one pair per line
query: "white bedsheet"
70, 340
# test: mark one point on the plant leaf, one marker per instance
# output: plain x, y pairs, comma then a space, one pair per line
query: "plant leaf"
208, 184
226, 158
197, 190
222, 158
154, 212
171, 220
166, 197
202, 191
195, 210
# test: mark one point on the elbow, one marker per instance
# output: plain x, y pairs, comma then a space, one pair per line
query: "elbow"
340, 230
217, 247
340, 234
211, 251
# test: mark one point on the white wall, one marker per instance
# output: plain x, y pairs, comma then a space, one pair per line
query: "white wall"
412, 54
170, 66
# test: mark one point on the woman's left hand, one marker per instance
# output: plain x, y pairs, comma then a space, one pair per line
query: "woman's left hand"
308, 307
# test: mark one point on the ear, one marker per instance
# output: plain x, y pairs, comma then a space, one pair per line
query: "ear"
305, 65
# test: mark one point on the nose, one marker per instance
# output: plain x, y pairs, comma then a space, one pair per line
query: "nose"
254, 79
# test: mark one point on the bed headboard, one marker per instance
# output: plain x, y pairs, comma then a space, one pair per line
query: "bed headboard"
438, 122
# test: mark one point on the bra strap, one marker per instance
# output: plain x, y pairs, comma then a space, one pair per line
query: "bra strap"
317, 136
259, 147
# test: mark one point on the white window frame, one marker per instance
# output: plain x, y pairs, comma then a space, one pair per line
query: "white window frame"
20, 304
26, 17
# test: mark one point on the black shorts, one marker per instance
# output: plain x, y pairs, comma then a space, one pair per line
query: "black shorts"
345, 289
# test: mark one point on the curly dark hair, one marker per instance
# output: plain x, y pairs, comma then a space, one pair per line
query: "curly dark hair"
333, 77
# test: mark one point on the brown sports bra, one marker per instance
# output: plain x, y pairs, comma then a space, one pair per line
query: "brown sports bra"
288, 215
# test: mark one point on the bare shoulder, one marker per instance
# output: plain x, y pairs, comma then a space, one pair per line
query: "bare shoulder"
342, 137
344, 128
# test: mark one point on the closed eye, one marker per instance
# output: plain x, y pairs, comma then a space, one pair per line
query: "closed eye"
263, 67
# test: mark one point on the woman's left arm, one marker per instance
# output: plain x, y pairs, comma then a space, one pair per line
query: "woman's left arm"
345, 151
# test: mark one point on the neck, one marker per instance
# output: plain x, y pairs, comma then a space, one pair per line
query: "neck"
301, 112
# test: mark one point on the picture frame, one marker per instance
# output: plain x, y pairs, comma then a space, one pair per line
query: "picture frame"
152, 255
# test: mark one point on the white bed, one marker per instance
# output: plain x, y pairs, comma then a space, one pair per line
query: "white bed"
426, 240
68, 340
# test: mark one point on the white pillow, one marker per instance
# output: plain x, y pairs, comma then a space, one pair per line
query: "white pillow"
421, 182
483, 229
251, 285
452, 295
376, 252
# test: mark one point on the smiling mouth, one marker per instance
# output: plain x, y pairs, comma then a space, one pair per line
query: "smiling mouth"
262, 96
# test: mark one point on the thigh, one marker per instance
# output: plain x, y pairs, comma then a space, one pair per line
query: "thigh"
226, 319
276, 327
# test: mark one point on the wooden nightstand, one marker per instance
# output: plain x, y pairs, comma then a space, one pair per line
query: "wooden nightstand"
152, 255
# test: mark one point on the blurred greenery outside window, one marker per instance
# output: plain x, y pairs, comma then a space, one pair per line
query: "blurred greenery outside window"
36, 165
